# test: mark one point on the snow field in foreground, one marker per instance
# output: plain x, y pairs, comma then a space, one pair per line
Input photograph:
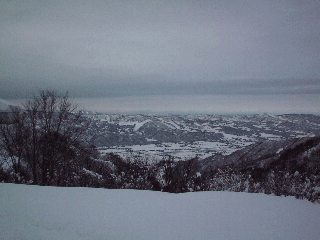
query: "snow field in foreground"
35, 212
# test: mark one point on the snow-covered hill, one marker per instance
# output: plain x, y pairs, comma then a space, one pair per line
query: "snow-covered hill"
187, 136
34, 212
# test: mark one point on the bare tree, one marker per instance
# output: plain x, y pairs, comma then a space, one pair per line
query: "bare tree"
47, 137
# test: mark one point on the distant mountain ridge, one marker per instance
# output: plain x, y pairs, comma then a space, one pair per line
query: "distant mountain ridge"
5, 105
5, 111
202, 135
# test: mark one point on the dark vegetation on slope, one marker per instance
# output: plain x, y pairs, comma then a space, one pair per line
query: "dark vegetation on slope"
47, 144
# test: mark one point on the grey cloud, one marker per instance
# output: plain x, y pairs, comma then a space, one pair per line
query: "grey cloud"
115, 48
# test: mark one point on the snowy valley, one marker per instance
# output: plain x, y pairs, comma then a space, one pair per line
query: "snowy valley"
188, 136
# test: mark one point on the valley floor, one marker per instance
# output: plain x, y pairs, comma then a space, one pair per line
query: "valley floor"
35, 212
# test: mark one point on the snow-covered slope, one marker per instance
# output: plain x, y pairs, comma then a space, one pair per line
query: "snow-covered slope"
189, 136
34, 212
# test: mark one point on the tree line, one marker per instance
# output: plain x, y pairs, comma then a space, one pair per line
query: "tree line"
45, 142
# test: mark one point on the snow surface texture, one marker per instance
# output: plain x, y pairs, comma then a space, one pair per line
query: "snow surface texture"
34, 212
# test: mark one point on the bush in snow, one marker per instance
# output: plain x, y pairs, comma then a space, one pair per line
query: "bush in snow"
279, 183
46, 138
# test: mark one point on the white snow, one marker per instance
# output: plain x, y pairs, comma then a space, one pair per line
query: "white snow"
34, 212
181, 151
279, 150
137, 125
127, 123
140, 124
270, 136
92, 173
171, 124
151, 140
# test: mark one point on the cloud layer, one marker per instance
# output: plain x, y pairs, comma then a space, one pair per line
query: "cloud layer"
120, 48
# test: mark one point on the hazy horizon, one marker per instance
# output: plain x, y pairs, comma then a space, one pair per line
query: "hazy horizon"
203, 104
198, 104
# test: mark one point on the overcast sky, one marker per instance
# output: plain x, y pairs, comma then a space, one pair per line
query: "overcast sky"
122, 48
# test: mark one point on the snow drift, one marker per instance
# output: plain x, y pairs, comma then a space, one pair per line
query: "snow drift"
35, 212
